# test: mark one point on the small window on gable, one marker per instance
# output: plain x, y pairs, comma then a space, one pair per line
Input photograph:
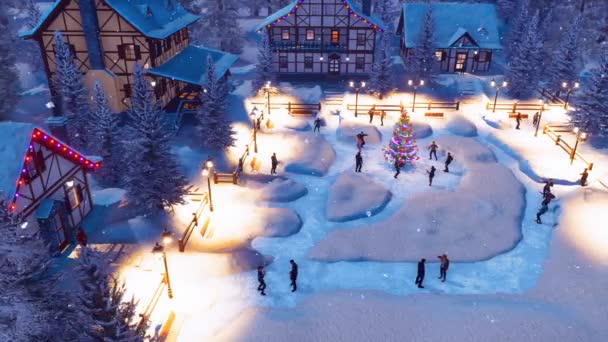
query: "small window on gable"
335, 36
361, 39
438, 55
285, 34
360, 63
307, 62
282, 61
483, 56
310, 34
73, 195
129, 52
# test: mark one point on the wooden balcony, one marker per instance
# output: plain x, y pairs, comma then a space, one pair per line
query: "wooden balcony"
308, 46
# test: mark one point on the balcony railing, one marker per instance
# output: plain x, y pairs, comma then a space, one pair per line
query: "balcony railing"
308, 46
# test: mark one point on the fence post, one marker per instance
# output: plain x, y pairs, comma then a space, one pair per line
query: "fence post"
559, 138
195, 219
458, 105
289, 107
215, 178
180, 243
514, 107
590, 167
234, 178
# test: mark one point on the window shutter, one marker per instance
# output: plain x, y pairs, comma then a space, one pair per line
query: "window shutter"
443, 56
79, 192
137, 52
121, 51
67, 204
152, 48
40, 163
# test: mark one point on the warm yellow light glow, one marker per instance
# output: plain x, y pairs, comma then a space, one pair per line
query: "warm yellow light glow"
352, 84
576, 85
504, 84
564, 84
209, 164
585, 226
492, 83
575, 130
421, 82
167, 240
410, 82
583, 136
362, 84
205, 172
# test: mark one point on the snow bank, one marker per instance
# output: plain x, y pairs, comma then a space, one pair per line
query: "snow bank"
303, 94
479, 219
460, 125
282, 190
296, 124
496, 122
312, 156
244, 90
108, 196
348, 131
421, 129
354, 196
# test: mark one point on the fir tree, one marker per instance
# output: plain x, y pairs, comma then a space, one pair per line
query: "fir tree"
421, 60
381, 77
103, 130
213, 127
71, 91
523, 73
518, 28
566, 59
402, 145
220, 27
264, 70
8, 73
386, 11
278, 4
256, 5
506, 9
152, 176
32, 17
591, 104
102, 295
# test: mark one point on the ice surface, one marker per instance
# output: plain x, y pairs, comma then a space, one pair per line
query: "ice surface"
348, 131
282, 190
422, 129
313, 155
353, 196
296, 124
460, 125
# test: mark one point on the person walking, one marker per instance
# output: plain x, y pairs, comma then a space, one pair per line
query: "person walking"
433, 147
535, 118
382, 115
547, 198
447, 162
81, 237
431, 175
518, 120
361, 140
443, 267
548, 185
420, 274
397, 167
371, 113
293, 275
261, 282
358, 162
274, 163
584, 176
543, 209
317, 125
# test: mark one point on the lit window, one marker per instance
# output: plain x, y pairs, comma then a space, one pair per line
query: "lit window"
285, 34
483, 56
438, 55
335, 36
73, 195
129, 52
310, 34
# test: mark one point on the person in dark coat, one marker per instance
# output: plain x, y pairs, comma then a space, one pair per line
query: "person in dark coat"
547, 198
542, 210
584, 176
358, 162
433, 147
81, 237
261, 282
317, 125
398, 166
443, 267
361, 140
382, 115
448, 160
535, 118
420, 274
371, 113
293, 275
431, 175
518, 120
548, 185
274, 161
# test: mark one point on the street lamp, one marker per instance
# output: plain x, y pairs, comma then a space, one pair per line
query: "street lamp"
495, 86
357, 90
254, 118
415, 86
580, 136
267, 91
159, 249
569, 89
207, 172
540, 116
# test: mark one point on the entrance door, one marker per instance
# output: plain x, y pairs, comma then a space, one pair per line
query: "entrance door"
57, 225
461, 62
334, 65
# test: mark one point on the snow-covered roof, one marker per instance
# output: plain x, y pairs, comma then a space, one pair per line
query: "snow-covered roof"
153, 18
190, 65
15, 140
452, 21
286, 11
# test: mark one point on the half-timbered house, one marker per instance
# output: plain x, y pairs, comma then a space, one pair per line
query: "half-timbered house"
323, 37
108, 37
465, 35
45, 181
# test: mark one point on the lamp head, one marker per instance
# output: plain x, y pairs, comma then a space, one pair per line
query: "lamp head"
576, 85
153, 84
205, 172
166, 236
352, 84
492, 83
209, 163
158, 248
410, 82
564, 84
584, 136
575, 130
421, 82
69, 183
362, 84
504, 84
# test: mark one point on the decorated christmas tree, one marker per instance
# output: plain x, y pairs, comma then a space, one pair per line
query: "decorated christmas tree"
403, 144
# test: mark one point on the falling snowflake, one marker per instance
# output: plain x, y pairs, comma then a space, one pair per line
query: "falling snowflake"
369, 213
418, 230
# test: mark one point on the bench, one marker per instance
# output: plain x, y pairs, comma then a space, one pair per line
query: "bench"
514, 115
302, 112
225, 178
433, 115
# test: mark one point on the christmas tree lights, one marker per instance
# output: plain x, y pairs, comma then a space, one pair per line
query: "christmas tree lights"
403, 143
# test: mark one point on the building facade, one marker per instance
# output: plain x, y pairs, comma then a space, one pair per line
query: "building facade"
323, 37
108, 37
465, 36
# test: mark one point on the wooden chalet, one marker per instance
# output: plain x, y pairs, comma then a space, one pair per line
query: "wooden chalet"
45, 181
108, 37
334, 37
465, 34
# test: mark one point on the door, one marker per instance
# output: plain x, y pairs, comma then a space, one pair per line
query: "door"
57, 225
461, 62
334, 65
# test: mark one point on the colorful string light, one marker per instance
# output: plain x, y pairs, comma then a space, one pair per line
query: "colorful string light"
403, 144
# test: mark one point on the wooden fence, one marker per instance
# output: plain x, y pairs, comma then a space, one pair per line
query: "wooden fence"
552, 131
518, 107
293, 108
194, 222
145, 315
364, 108
551, 97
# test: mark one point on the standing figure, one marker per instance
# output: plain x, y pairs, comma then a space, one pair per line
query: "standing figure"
358, 162
81, 237
361, 140
382, 115
293, 275
547, 198
317, 125
433, 147
535, 119
542, 210
371, 113
261, 282
431, 175
584, 176
420, 274
447, 162
548, 185
274, 163
518, 120
397, 167
443, 267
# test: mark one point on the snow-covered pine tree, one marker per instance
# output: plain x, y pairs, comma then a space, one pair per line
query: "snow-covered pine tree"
506, 9
71, 91
264, 71
385, 9
152, 177
381, 77
518, 27
8, 73
591, 103
421, 57
32, 17
565, 64
220, 28
278, 4
103, 131
523, 73
255, 6
213, 127
102, 295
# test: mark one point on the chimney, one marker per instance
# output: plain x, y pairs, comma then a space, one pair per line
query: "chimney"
367, 7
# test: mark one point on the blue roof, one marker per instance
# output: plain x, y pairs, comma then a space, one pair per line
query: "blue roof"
291, 8
15, 140
45, 208
452, 21
190, 65
153, 18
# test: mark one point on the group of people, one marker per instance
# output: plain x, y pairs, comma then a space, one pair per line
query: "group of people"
547, 198
535, 119
373, 111
433, 152
293, 277
444, 264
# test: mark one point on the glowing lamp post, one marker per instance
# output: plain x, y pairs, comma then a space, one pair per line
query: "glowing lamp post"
411, 83
543, 107
159, 250
267, 91
357, 90
569, 88
497, 87
580, 136
254, 121
207, 172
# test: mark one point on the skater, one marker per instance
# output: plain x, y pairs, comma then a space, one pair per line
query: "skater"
275, 162
518, 120
535, 119
447, 162
433, 147
293, 275
443, 267
547, 198
382, 115
81, 236
261, 282
584, 176
542, 210
431, 175
358, 162
361, 140
317, 125
420, 275
548, 185
397, 167
371, 113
